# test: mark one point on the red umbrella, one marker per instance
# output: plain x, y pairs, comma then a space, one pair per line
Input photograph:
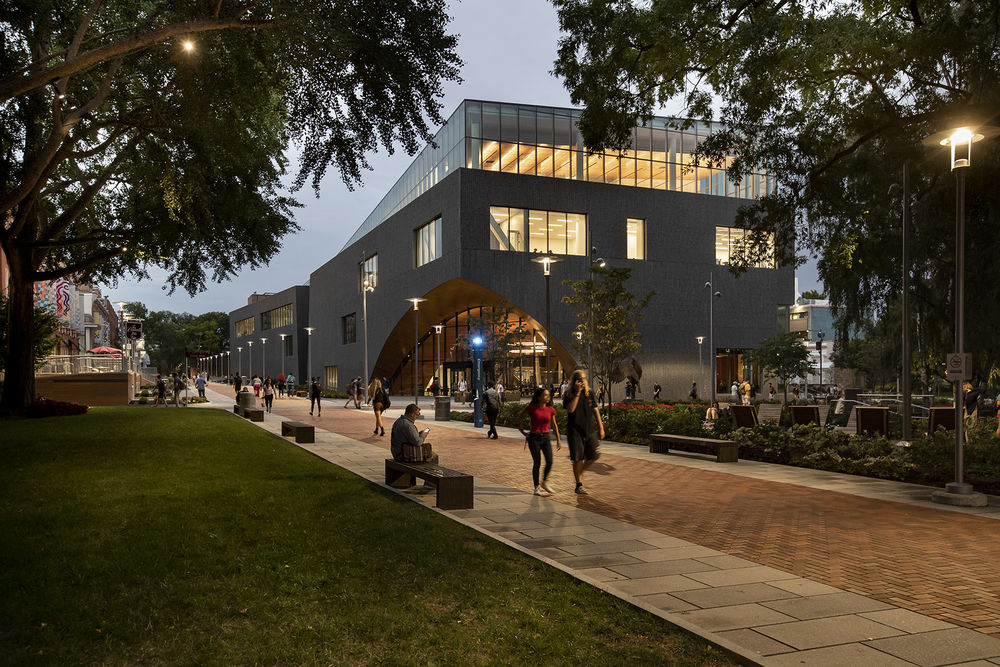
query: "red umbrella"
104, 349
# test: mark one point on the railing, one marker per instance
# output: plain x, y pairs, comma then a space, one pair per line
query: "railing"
71, 364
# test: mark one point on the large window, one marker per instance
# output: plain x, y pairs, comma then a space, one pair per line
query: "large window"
530, 230
277, 317
428, 240
289, 346
730, 240
635, 238
368, 269
349, 328
244, 327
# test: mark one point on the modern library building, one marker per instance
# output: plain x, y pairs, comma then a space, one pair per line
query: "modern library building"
462, 230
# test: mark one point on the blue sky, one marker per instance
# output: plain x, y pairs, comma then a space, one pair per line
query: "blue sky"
496, 67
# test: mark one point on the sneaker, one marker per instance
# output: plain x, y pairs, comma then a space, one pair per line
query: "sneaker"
538, 490
582, 491
545, 485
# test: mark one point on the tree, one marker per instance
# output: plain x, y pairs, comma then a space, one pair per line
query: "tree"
813, 294
783, 356
831, 99
45, 324
500, 334
606, 307
152, 132
167, 334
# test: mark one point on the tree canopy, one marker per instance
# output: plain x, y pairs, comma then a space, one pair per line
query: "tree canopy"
168, 335
832, 99
783, 356
154, 132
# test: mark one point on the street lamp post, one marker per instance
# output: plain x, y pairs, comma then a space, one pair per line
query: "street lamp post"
819, 346
250, 354
547, 263
416, 341
367, 286
309, 354
438, 328
229, 367
477, 381
960, 141
600, 263
239, 348
282, 354
701, 368
713, 295
263, 359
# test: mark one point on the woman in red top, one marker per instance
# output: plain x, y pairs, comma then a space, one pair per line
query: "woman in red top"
542, 415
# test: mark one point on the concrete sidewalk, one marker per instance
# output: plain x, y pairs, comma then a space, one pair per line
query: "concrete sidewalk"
771, 615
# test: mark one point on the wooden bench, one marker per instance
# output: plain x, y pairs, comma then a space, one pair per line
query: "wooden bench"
805, 414
769, 412
454, 488
253, 414
303, 433
661, 443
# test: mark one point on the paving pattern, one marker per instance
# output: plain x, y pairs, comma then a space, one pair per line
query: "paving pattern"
804, 575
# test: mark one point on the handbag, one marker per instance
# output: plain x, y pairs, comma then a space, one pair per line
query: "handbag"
418, 453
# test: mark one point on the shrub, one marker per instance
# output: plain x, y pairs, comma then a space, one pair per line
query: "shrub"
44, 407
143, 400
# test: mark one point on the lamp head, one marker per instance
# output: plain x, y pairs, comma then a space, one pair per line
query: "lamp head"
700, 339
717, 295
416, 302
438, 328
709, 285
477, 341
309, 330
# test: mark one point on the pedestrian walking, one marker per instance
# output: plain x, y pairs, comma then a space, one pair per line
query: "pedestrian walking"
237, 384
200, 384
256, 385
693, 394
314, 397
290, 384
352, 391
542, 416
491, 404
745, 392
656, 391
770, 391
795, 391
500, 390
281, 384
463, 387
380, 403
584, 430
161, 391
178, 387
268, 393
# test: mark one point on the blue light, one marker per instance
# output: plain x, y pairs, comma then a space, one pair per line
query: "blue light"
477, 341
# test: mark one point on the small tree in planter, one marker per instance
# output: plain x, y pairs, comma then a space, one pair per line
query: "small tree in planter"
783, 356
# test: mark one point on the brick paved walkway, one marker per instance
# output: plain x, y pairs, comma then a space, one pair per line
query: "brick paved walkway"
931, 561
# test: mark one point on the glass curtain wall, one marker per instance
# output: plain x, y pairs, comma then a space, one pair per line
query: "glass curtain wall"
446, 356
529, 230
545, 141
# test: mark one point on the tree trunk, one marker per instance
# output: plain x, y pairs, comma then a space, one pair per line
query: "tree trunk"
19, 357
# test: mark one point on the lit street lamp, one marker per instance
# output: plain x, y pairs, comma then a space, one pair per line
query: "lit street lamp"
367, 286
416, 355
438, 328
283, 337
263, 359
599, 263
250, 353
701, 371
229, 368
819, 346
309, 354
960, 141
477, 381
547, 263
713, 295
239, 348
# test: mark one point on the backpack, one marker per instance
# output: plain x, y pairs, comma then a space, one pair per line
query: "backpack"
383, 398
161, 385
492, 404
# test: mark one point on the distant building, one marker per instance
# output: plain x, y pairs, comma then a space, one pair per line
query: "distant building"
813, 320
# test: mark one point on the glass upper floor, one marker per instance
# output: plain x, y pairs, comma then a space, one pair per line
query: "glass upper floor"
546, 141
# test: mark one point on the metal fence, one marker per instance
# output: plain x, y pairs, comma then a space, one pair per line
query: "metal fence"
70, 364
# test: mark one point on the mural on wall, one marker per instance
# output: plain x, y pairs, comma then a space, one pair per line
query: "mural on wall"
60, 296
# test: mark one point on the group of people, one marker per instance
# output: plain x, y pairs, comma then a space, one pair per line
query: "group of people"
264, 388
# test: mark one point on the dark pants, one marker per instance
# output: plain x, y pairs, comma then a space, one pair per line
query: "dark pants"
267, 401
538, 444
314, 403
491, 417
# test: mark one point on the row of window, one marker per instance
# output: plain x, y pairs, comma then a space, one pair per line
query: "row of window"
730, 240
276, 317
244, 327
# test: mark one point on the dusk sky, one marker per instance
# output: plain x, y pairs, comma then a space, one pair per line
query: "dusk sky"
496, 67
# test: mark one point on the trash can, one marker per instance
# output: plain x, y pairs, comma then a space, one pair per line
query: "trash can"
246, 401
442, 408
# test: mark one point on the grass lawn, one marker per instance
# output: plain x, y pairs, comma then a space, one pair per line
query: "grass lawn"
133, 535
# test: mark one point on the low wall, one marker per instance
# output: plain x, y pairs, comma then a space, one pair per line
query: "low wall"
85, 388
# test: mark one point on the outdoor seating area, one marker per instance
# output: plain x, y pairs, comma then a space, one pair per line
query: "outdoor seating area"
454, 488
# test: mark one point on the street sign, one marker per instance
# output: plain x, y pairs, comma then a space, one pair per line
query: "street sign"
958, 367
819, 346
133, 330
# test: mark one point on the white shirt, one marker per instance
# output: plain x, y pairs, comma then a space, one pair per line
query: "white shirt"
462, 386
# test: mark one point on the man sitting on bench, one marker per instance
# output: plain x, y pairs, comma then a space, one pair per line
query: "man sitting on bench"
404, 431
